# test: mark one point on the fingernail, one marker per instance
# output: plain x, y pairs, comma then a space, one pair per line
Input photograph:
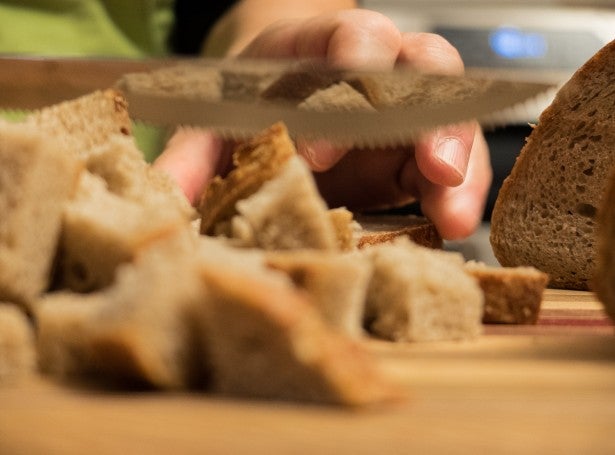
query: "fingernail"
320, 155
453, 153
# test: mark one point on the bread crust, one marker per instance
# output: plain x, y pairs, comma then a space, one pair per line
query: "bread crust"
513, 295
256, 162
604, 279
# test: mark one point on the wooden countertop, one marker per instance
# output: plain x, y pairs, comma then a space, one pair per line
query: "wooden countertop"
548, 388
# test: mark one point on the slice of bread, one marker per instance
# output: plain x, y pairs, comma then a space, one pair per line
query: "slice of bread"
265, 340
17, 353
36, 182
101, 230
336, 284
545, 213
421, 294
375, 229
513, 295
604, 280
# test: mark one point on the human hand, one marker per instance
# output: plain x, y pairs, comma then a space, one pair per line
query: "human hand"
448, 170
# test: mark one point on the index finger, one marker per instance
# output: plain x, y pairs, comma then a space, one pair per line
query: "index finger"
443, 155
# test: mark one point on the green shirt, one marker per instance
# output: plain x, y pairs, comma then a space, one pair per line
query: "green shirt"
111, 28
126, 28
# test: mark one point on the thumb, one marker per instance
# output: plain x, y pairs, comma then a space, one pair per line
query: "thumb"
443, 156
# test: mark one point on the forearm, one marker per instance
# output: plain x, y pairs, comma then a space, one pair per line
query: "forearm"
249, 17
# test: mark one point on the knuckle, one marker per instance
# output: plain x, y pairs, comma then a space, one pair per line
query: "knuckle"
436, 49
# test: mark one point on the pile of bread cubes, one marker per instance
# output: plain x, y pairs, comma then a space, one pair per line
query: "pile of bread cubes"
108, 276
108, 273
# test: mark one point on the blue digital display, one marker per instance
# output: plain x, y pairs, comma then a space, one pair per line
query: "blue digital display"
513, 43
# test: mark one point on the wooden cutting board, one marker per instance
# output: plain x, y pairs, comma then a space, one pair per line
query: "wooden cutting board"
548, 388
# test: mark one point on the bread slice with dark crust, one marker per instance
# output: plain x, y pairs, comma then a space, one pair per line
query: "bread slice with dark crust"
545, 213
604, 279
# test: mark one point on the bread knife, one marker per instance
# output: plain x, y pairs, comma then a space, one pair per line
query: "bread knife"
427, 101
27, 83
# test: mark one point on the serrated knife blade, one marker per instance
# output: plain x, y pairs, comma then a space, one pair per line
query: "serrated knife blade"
27, 83
404, 103
387, 126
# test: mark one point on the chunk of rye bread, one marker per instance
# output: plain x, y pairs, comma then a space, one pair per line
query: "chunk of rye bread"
421, 294
285, 213
97, 128
340, 96
145, 330
604, 280
375, 229
36, 182
255, 161
102, 230
82, 124
17, 352
121, 164
336, 284
266, 341
545, 213
269, 200
190, 80
513, 295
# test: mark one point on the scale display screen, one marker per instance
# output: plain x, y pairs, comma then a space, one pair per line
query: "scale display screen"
515, 47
